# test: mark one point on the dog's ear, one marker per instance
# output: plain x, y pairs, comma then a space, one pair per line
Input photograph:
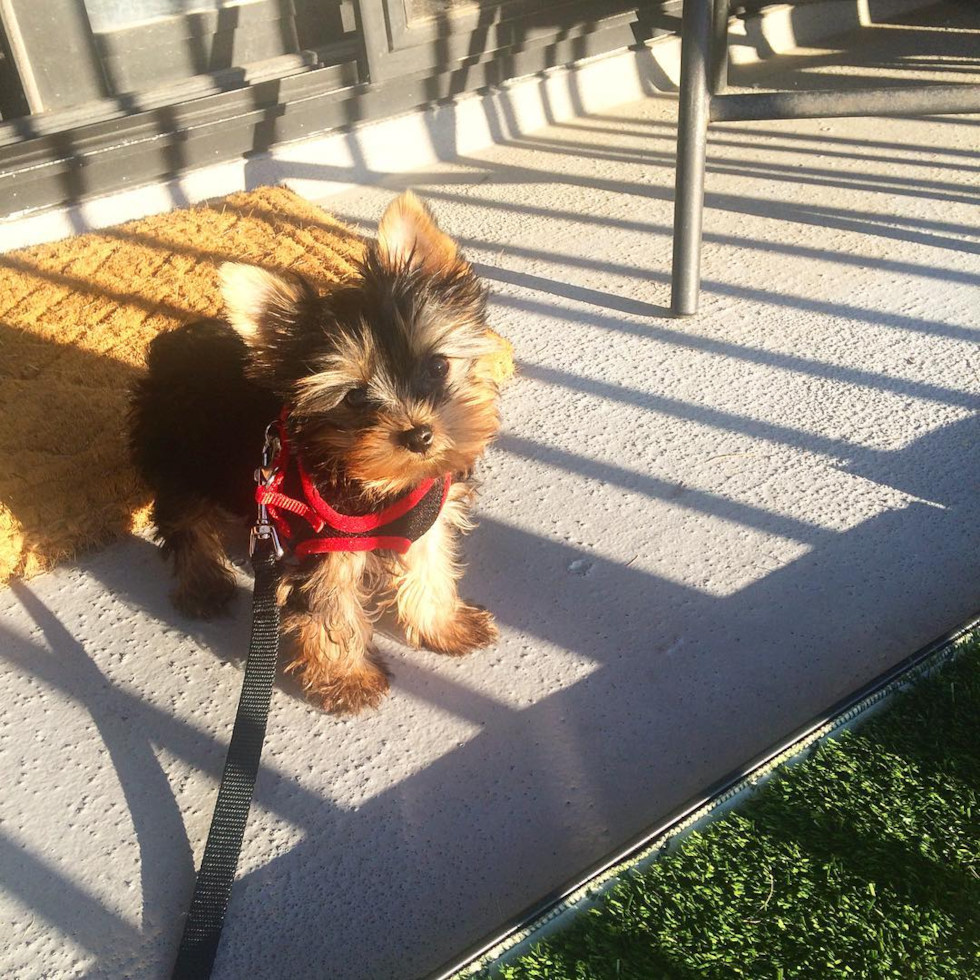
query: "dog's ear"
408, 237
262, 306
271, 313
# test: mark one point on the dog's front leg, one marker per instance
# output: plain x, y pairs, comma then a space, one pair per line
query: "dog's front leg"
428, 604
326, 612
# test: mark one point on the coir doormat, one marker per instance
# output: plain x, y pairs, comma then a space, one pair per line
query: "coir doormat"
75, 320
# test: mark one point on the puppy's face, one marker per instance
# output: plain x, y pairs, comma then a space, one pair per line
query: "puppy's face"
387, 375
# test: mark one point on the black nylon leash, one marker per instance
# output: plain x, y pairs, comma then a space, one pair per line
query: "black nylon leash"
202, 929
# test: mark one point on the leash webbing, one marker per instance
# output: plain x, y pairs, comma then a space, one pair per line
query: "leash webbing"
202, 930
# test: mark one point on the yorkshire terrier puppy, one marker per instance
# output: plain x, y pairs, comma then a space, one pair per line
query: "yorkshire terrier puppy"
386, 396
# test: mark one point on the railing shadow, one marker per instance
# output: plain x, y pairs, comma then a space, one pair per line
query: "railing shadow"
652, 683
165, 858
780, 634
645, 643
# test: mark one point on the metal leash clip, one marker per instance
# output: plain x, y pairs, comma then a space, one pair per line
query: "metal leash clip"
264, 529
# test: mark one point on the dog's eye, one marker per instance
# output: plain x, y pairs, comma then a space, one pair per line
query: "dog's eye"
356, 398
437, 367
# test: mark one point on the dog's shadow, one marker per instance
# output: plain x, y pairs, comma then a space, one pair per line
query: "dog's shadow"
75, 320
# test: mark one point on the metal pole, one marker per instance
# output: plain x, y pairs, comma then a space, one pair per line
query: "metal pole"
913, 100
371, 25
719, 47
692, 136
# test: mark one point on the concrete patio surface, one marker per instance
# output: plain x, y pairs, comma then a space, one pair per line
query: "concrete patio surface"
694, 533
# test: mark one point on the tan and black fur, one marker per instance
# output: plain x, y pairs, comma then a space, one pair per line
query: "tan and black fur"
387, 384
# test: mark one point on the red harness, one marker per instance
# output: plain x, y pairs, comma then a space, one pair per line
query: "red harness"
312, 526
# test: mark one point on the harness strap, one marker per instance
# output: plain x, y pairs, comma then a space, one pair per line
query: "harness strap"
279, 501
291, 490
202, 929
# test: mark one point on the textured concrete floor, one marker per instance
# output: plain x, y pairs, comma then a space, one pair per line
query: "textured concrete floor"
694, 534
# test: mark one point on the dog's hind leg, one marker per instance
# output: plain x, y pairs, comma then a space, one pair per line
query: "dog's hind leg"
190, 529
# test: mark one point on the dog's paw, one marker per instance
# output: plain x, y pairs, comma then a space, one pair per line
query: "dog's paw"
349, 692
206, 597
471, 628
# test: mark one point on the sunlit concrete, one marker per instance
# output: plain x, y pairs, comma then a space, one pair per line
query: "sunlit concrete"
695, 534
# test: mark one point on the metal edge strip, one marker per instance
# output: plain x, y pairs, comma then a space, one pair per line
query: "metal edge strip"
650, 843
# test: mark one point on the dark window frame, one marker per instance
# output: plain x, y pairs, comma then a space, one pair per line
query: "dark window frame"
58, 159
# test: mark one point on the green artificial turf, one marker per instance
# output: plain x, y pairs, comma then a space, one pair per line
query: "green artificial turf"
861, 861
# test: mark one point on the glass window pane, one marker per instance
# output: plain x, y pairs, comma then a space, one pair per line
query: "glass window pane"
421, 9
111, 15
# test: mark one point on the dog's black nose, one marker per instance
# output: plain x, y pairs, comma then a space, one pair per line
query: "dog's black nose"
418, 439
